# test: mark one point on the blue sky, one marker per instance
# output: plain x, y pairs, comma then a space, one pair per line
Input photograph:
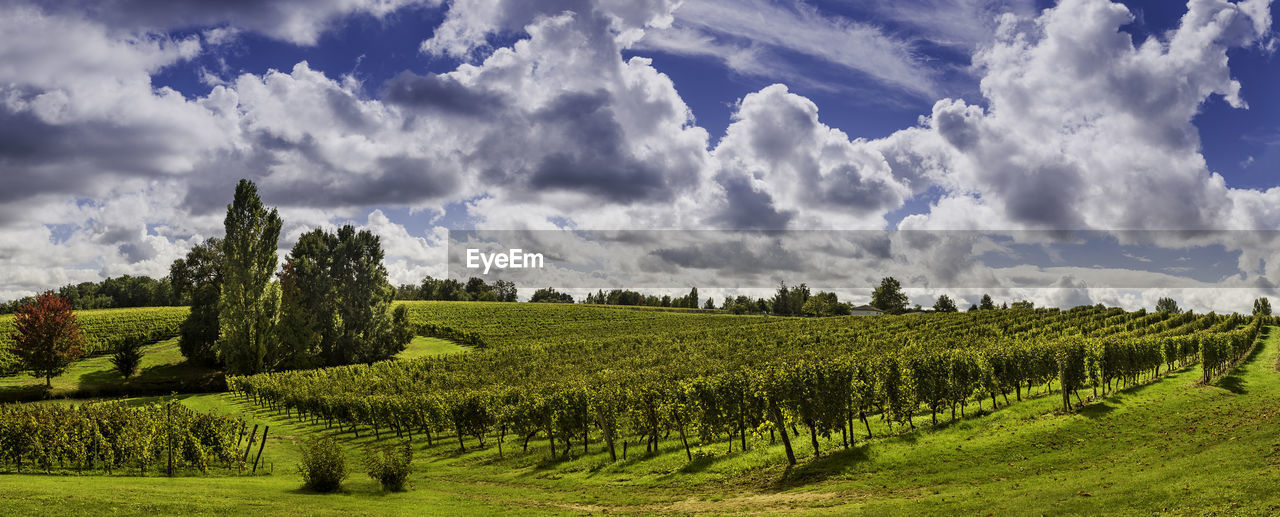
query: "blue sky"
408, 117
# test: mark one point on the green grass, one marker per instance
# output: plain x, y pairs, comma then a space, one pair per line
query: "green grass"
161, 362
425, 346
1171, 447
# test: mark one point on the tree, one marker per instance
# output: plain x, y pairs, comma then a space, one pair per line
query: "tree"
505, 291
550, 295
782, 301
308, 295
1262, 307
199, 278
692, 300
127, 356
369, 330
249, 303
335, 302
46, 336
710, 304
1024, 304
1167, 305
986, 304
889, 297
825, 304
945, 304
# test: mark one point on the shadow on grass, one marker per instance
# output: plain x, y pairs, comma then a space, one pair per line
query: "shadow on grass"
1235, 382
831, 463
99, 378
1096, 410
25, 393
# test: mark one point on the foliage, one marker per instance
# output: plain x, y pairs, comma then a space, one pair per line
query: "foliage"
986, 304
46, 336
335, 303
248, 305
1167, 305
127, 356
112, 436
1262, 307
944, 304
550, 295
324, 464
889, 296
198, 277
790, 301
825, 304
390, 465
634, 298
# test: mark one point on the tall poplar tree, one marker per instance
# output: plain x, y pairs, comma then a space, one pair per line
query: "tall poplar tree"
250, 301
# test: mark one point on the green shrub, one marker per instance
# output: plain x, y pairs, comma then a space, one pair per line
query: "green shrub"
389, 465
127, 356
324, 465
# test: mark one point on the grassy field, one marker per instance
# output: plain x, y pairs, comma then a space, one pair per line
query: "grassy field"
1171, 447
161, 363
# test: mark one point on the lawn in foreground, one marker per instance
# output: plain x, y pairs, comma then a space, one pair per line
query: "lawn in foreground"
1170, 447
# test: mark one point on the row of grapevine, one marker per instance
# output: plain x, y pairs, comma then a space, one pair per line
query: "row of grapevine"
104, 329
110, 436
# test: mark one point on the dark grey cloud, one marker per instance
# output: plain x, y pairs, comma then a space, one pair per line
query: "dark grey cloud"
39, 158
394, 180
575, 143
852, 190
441, 94
747, 208
735, 258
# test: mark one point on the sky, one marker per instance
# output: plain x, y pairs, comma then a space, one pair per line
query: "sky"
125, 124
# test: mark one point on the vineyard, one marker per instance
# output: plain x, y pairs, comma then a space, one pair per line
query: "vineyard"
574, 376
105, 328
112, 437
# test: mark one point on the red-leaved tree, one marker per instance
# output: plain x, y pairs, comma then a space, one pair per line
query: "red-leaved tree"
46, 336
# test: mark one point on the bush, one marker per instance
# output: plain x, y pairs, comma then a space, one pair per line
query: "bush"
389, 465
127, 356
324, 465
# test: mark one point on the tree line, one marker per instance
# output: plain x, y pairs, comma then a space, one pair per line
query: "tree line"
449, 290
112, 293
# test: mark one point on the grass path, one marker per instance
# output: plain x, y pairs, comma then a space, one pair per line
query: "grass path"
1170, 447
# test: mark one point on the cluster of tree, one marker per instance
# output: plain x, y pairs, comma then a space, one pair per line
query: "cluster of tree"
1262, 307
628, 297
745, 305
789, 301
549, 295
114, 292
330, 304
475, 290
